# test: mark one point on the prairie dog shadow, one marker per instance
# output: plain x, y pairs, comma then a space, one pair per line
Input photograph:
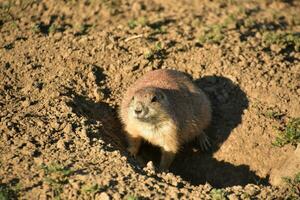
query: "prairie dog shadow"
197, 167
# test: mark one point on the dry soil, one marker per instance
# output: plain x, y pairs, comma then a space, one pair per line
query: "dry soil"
64, 66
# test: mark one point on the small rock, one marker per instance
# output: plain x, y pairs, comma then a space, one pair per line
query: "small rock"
245, 196
233, 197
149, 168
207, 187
276, 48
251, 190
237, 50
258, 35
116, 196
55, 125
91, 76
272, 72
61, 144
103, 196
83, 134
68, 129
55, 94
75, 184
26, 103
99, 95
237, 188
40, 123
57, 35
38, 161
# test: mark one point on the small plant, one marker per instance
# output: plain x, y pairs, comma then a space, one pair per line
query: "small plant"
9, 10
157, 51
131, 197
52, 28
282, 39
148, 54
291, 134
132, 24
273, 114
91, 189
159, 30
112, 6
212, 34
5, 14
81, 29
293, 186
55, 168
56, 177
36, 28
218, 194
8, 192
142, 21
215, 33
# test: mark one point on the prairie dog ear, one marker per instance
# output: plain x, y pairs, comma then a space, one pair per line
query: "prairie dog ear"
155, 98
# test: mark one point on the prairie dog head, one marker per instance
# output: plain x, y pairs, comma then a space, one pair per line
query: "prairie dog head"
149, 105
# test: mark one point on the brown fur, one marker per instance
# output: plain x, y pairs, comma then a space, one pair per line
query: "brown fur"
181, 113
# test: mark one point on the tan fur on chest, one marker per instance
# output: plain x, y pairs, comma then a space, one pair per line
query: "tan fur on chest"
160, 134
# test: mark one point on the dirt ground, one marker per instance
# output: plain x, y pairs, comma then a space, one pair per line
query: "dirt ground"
64, 66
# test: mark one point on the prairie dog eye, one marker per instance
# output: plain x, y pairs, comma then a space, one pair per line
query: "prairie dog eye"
154, 99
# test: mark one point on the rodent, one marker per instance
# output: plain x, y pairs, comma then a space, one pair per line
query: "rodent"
165, 108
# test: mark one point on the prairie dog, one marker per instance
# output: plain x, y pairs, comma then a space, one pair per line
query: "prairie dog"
165, 108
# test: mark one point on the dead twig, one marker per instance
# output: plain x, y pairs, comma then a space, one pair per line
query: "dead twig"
134, 37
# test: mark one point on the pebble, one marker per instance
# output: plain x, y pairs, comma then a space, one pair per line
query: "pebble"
40, 123
251, 190
91, 76
55, 125
55, 94
38, 161
258, 83
103, 196
233, 197
83, 134
57, 36
99, 95
61, 144
150, 168
26, 103
272, 72
258, 35
276, 48
68, 129
75, 184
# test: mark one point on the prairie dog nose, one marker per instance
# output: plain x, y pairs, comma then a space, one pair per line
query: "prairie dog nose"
138, 108
137, 111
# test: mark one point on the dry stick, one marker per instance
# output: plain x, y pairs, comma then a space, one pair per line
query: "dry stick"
134, 37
